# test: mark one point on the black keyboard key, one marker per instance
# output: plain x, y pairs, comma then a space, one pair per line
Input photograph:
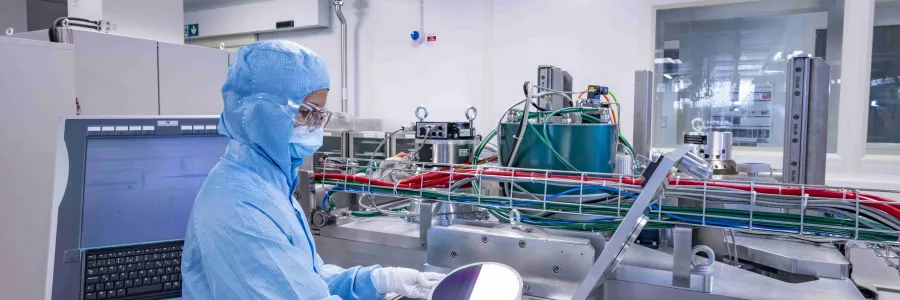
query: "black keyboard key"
138, 252
101, 263
139, 266
144, 289
175, 277
142, 273
120, 292
90, 296
129, 283
130, 267
104, 278
176, 262
178, 269
156, 279
91, 257
120, 260
164, 278
111, 255
129, 253
151, 272
129, 260
110, 261
176, 285
160, 271
147, 281
148, 257
121, 254
92, 264
164, 255
108, 286
114, 276
102, 270
91, 272
101, 256
167, 263
89, 288
122, 269
120, 284
155, 256
110, 294
170, 270
137, 282
167, 286
132, 275
92, 279
101, 295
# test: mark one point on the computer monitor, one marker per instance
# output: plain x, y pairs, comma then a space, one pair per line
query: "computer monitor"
130, 182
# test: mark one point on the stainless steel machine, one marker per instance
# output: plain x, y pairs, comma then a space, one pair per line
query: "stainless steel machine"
572, 232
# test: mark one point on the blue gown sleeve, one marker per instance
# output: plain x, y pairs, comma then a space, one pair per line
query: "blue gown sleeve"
247, 256
351, 283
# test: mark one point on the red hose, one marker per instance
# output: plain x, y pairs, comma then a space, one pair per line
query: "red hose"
441, 178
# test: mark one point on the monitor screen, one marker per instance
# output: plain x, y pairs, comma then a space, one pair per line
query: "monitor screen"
141, 189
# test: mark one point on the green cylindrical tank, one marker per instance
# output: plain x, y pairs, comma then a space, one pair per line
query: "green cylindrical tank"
588, 147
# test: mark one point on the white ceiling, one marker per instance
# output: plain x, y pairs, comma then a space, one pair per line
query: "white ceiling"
195, 5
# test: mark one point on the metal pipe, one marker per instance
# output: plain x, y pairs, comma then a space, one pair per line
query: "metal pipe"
340, 14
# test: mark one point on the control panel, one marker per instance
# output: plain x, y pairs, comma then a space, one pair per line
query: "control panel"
445, 130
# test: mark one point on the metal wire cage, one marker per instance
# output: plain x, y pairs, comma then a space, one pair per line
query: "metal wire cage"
599, 201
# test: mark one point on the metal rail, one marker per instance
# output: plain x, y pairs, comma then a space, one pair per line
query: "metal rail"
809, 212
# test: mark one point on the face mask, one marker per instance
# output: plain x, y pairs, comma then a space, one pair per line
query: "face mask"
304, 143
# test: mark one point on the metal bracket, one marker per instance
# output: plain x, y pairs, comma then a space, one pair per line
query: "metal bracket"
682, 258
635, 219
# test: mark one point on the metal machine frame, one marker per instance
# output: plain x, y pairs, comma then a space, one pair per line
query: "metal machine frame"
552, 225
805, 131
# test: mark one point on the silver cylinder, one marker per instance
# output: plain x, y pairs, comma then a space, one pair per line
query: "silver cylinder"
624, 165
450, 151
718, 153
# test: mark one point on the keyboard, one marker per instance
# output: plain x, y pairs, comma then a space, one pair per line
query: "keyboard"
147, 271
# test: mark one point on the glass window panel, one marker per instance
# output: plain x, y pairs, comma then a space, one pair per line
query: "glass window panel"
884, 92
725, 64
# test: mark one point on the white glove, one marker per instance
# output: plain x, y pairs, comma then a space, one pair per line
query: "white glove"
406, 282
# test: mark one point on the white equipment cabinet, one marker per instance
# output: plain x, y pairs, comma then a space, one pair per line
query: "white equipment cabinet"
190, 79
115, 75
37, 87
120, 75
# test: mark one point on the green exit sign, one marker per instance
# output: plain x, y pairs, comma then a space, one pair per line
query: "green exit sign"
191, 30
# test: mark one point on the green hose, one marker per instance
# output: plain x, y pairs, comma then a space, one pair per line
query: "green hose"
812, 223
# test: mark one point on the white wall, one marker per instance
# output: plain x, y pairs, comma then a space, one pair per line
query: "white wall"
13, 15
485, 50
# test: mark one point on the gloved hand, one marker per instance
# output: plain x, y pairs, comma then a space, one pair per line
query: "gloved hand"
406, 282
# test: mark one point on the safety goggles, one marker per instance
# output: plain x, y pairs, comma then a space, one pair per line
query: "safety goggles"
312, 116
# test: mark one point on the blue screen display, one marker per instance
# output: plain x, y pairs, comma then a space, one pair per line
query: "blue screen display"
141, 189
